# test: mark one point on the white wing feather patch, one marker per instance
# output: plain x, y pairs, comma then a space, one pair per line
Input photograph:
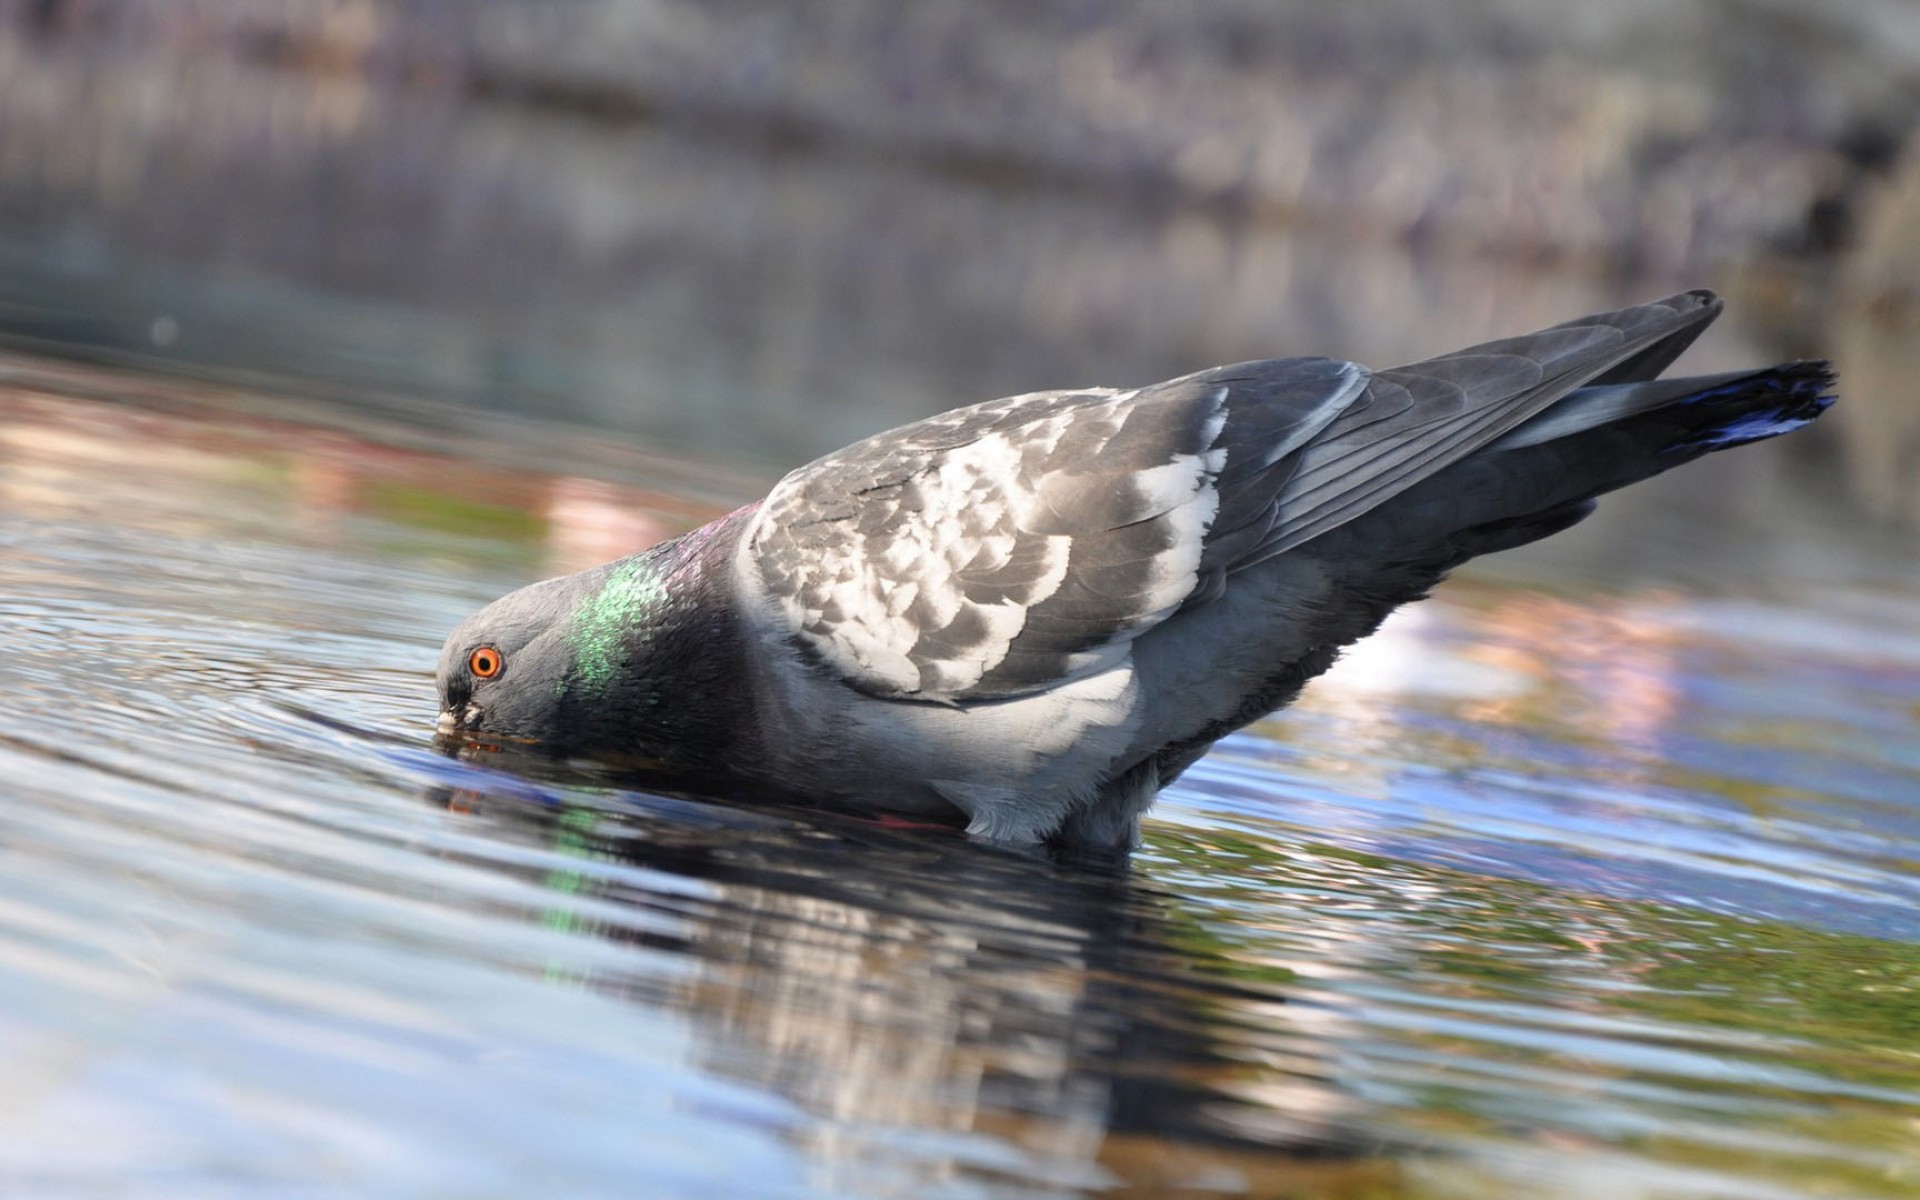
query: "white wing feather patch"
888, 589
914, 562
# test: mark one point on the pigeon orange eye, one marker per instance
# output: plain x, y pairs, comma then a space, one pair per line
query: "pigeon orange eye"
485, 662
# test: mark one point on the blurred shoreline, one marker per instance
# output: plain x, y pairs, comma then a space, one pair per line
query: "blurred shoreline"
758, 231
1647, 138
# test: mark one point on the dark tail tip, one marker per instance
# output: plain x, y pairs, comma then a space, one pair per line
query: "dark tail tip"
1762, 405
1813, 375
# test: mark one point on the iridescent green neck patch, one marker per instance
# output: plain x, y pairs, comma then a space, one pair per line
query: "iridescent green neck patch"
607, 623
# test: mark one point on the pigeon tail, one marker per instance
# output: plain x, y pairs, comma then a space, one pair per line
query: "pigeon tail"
1755, 407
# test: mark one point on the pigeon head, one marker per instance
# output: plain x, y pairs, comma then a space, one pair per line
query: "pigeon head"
505, 670
617, 661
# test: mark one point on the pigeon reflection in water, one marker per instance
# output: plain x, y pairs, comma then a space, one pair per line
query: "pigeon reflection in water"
895, 985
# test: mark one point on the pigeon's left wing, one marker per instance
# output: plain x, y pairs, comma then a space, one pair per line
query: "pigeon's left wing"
1011, 546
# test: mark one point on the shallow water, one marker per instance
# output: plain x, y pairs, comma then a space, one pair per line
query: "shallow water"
1575, 890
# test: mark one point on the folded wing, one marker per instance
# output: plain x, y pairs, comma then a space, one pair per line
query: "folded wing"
1009, 547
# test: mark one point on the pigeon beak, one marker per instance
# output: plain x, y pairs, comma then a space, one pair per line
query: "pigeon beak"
447, 722
451, 721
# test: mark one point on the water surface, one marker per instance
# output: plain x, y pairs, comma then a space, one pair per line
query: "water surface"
1573, 882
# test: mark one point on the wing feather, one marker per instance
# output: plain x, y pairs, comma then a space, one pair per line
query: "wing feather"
1461, 401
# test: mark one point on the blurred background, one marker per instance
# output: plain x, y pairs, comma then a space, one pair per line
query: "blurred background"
761, 229
324, 322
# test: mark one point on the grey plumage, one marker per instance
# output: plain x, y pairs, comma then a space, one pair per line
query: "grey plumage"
1035, 612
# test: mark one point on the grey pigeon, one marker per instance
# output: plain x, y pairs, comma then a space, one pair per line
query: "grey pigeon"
1033, 614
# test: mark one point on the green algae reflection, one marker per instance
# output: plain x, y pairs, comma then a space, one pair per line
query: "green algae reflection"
1491, 1016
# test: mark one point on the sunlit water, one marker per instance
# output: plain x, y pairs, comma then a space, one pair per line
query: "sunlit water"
1590, 893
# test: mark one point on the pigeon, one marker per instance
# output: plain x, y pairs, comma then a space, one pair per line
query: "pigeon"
1030, 615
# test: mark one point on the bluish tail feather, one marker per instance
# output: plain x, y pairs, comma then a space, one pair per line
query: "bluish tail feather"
1766, 404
